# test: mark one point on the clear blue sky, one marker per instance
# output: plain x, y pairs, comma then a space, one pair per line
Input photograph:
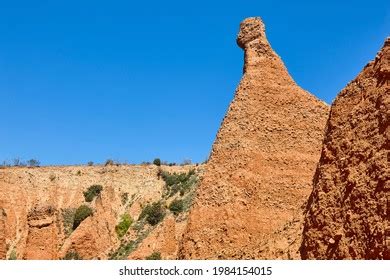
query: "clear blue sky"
133, 80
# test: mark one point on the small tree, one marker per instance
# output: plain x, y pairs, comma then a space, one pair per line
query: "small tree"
5, 164
90, 163
19, 162
154, 213
157, 161
109, 162
33, 162
16, 161
81, 214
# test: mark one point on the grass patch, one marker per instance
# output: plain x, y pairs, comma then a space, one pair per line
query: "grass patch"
123, 225
154, 256
68, 220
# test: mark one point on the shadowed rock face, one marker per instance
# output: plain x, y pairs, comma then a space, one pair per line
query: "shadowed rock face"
349, 209
263, 159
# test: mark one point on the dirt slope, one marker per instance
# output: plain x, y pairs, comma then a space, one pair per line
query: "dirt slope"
349, 210
263, 159
37, 206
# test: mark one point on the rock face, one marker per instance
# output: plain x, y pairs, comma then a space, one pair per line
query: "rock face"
349, 209
262, 162
3, 244
165, 239
42, 240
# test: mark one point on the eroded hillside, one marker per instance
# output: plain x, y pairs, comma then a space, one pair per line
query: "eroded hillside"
38, 208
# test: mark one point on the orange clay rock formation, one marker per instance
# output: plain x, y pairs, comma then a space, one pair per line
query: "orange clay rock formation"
3, 244
262, 162
37, 207
42, 236
165, 240
349, 209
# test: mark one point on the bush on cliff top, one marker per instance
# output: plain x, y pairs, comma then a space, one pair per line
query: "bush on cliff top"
157, 161
178, 182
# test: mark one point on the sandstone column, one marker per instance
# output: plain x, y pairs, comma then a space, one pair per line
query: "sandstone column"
263, 159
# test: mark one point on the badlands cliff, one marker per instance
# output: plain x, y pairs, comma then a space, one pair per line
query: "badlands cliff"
262, 162
349, 210
37, 210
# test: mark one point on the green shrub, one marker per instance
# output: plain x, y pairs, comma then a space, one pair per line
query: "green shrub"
124, 198
92, 192
187, 162
72, 255
176, 206
90, 163
109, 162
123, 225
13, 256
123, 251
154, 256
68, 220
157, 161
179, 182
127, 247
154, 213
81, 214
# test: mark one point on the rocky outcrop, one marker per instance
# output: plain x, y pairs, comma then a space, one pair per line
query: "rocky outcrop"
96, 235
349, 209
3, 244
263, 160
165, 240
42, 237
